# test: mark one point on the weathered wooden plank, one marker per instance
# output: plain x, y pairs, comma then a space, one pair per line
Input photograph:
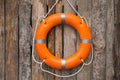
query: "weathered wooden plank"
110, 41
43, 75
2, 40
69, 38
38, 10
11, 13
25, 40
84, 8
51, 39
117, 41
99, 16
58, 39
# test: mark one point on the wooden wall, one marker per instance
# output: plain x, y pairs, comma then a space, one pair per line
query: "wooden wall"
17, 22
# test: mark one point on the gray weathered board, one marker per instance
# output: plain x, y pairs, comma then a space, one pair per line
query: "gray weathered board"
17, 24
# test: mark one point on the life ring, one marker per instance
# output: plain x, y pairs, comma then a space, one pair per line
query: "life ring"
84, 47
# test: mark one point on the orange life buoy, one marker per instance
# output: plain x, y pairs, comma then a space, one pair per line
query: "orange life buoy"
84, 47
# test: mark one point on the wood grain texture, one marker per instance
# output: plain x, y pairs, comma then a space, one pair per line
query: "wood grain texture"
117, 41
25, 40
43, 75
85, 9
17, 23
2, 40
38, 10
11, 11
51, 39
99, 16
69, 32
58, 39
69, 38
110, 41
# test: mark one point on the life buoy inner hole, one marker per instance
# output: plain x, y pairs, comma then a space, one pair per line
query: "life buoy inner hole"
62, 41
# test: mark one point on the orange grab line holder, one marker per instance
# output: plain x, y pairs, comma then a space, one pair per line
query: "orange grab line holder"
78, 57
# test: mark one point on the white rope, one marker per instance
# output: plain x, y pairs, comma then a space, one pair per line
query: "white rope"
36, 30
64, 76
34, 42
51, 8
41, 63
74, 8
91, 58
